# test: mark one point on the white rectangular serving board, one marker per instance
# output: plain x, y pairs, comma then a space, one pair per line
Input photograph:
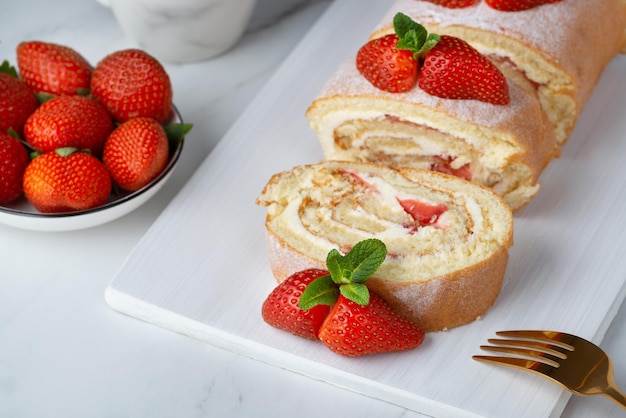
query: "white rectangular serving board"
202, 269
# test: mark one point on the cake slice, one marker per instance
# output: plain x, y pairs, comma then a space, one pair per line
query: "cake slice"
447, 239
504, 147
561, 47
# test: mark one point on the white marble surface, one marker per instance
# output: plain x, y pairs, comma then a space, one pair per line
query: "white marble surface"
65, 353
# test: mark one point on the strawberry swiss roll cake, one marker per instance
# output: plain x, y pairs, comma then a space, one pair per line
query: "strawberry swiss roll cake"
504, 147
561, 46
450, 109
447, 239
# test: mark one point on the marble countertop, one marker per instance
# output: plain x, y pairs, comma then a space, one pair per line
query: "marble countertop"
65, 353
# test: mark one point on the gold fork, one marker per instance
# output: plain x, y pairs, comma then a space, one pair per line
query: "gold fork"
571, 361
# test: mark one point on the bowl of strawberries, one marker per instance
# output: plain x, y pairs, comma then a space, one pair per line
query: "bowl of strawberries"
82, 145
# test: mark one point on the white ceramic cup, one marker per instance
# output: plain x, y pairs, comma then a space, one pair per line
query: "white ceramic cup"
183, 30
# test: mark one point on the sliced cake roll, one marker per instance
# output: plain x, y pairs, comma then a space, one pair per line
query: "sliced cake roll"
561, 47
447, 239
504, 147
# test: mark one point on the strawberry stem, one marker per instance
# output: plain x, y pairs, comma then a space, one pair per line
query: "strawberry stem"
65, 151
348, 273
44, 97
176, 131
7, 68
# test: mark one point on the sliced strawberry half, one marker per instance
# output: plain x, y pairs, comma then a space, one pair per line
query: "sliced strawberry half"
354, 330
422, 212
281, 309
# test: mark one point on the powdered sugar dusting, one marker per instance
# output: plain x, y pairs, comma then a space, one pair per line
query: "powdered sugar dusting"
565, 33
347, 81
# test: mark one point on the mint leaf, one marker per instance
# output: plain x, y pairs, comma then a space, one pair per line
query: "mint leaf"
321, 291
356, 292
333, 264
365, 257
402, 25
348, 273
339, 266
412, 36
431, 41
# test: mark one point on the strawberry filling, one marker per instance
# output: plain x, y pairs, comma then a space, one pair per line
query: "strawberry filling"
422, 213
360, 180
443, 165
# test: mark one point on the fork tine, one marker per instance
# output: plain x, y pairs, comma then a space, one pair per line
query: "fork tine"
540, 347
515, 362
532, 355
570, 361
555, 338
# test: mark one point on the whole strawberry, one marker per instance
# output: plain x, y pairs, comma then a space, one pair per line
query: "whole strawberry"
517, 5
65, 181
53, 69
17, 100
136, 152
13, 162
355, 330
453, 69
131, 83
391, 63
454, 4
68, 121
281, 309
387, 67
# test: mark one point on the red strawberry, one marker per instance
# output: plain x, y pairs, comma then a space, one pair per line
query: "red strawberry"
517, 5
453, 69
391, 63
422, 212
338, 296
66, 181
443, 165
13, 162
454, 4
53, 69
132, 83
68, 121
136, 152
354, 330
17, 100
281, 310
387, 67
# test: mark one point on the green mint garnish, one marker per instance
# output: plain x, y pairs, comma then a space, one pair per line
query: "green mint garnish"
412, 36
348, 273
321, 291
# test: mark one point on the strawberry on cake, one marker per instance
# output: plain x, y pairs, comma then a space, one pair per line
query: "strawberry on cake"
462, 115
561, 46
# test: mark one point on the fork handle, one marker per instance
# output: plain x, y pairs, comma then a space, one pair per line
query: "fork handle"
617, 396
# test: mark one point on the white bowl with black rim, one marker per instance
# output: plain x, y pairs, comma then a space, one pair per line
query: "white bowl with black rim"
21, 214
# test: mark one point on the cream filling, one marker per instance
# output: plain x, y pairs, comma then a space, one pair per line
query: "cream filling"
319, 222
398, 143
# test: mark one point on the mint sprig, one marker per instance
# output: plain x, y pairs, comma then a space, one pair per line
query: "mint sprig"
348, 274
412, 36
